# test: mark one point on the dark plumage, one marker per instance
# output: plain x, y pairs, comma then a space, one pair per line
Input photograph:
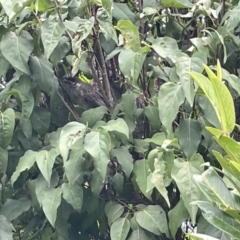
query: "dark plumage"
82, 94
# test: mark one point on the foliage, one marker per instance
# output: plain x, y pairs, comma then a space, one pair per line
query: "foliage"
135, 168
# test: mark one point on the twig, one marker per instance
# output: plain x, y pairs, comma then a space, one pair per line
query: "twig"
67, 106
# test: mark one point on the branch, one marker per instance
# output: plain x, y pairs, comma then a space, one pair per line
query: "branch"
75, 115
104, 71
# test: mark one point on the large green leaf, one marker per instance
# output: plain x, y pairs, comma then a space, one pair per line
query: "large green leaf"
74, 166
42, 73
182, 172
70, 133
119, 229
214, 188
12, 208
141, 173
17, 49
158, 179
226, 105
166, 47
189, 136
139, 234
3, 160
45, 161
182, 214
130, 64
7, 122
170, 98
122, 11
186, 64
40, 120
114, 212
131, 35
27, 103
177, 3
6, 227
50, 203
124, 158
231, 147
25, 162
105, 24
91, 116
98, 145
51, 33
118, 125
73, 194
153, 219
219, 219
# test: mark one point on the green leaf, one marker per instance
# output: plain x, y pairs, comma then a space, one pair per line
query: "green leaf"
12, 209
7, 122
128, 104
189, 136
91, 116
158, 179
70, 133
27, 100
74, 166
118, 182
182, 172
219, 219
50, 203
153, 219
139, 234
73, 194
166, 47
209, 112
17, 49
3, 160
186, 64
119, 229
105, 24
226, 106
122, 11
40, 120
97, 182
214, 188
40, 185
177, 3
157, 138
45, 161
42, 73
118, 125
124, 158
25, 163
182, 214
85, 29
153, 116
113, 212
130, 63
98, 145
170, 98
51, 33
199, 236
141, 172
6, 227
131, 35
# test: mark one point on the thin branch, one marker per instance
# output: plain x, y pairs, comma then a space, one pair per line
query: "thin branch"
75, 115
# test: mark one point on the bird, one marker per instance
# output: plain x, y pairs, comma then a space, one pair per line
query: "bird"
82, 94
